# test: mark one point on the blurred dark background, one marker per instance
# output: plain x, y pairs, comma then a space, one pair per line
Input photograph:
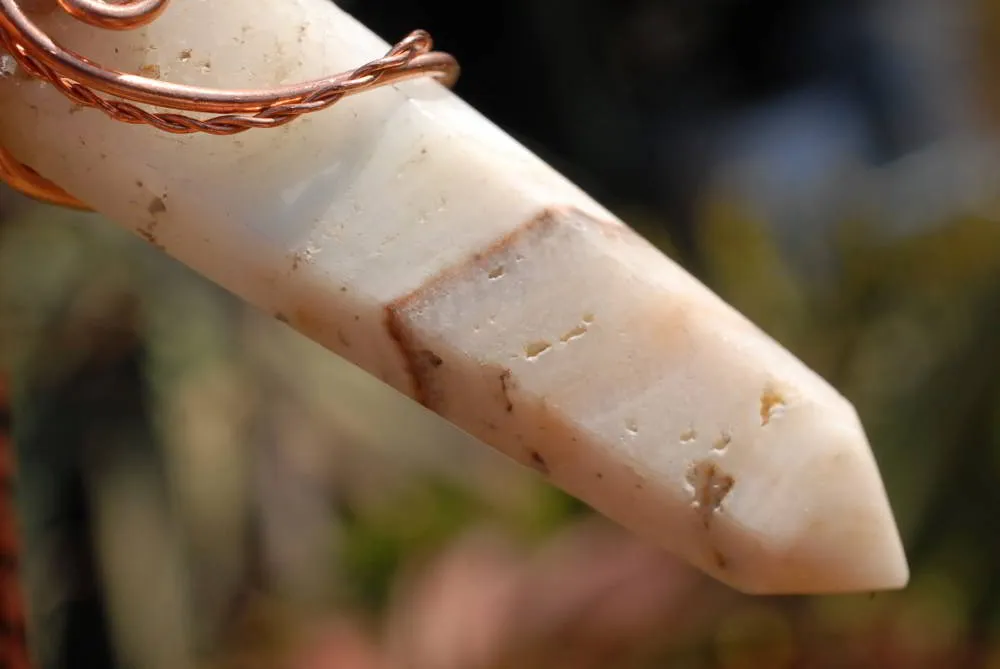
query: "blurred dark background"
643, 102
830, 167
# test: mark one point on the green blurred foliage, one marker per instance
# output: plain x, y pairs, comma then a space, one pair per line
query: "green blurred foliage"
905, 327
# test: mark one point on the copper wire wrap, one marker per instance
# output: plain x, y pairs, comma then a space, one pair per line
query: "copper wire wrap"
118, 94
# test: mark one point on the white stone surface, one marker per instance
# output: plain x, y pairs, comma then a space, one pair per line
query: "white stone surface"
403, 231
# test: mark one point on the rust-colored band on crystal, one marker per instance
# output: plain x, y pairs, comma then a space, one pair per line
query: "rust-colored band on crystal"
119, 94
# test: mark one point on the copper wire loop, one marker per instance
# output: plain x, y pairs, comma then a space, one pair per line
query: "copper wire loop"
83, 82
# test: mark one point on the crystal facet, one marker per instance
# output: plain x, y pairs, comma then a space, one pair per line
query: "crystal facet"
408, 234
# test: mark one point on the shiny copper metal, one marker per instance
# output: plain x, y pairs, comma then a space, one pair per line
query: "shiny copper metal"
121, 16
29, 182
118, 94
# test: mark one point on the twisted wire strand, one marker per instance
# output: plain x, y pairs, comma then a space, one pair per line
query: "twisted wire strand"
398, 61
84, 82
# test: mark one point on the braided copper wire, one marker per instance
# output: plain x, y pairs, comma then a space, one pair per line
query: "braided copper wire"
83, 82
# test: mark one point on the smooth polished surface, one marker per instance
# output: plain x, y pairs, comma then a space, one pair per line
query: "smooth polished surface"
408, 234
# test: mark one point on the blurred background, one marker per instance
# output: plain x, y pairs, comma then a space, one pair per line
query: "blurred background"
200, 486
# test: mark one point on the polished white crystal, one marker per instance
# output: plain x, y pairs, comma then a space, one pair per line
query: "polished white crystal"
405, 232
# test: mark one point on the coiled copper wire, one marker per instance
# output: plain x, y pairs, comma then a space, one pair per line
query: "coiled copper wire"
118, 94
